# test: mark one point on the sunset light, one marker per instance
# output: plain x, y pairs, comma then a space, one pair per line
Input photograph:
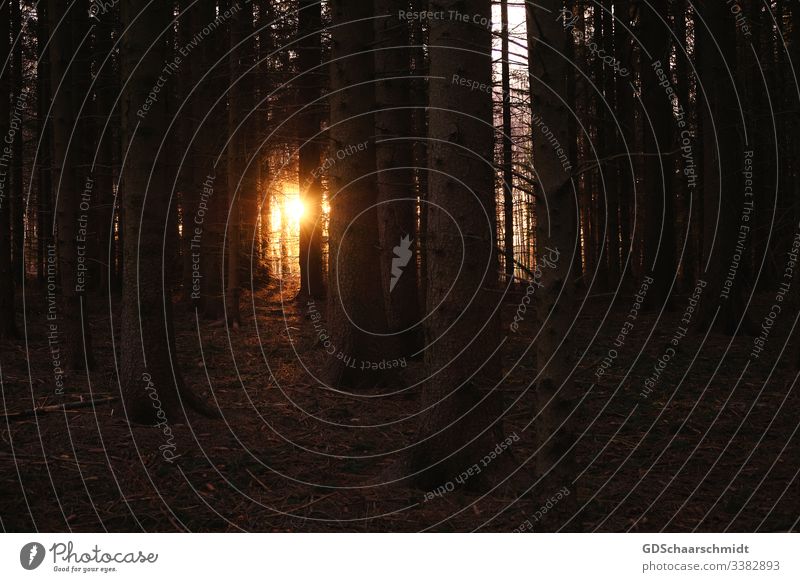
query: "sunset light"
294, 208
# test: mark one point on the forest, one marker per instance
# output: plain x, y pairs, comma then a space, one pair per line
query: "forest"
399, 265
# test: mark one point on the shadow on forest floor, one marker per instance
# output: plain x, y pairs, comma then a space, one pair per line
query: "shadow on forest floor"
694, 454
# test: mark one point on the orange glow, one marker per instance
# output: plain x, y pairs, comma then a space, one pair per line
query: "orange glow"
293, 209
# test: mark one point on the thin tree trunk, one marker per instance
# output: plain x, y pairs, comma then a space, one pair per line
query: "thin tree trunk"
236, 164
557, 241
420, 149
610, 146
188, 122
394, 157
626, 116
104, 171
508, 175
688, 216
214, 182
19, 99
7, 324
309, 125
657, 128
44, 185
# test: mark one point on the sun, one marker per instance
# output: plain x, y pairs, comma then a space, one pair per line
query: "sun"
295, 209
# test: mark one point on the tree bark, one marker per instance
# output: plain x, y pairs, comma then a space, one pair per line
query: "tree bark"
725, 227
105, 127
557, 241
610, 145
213, 178
68, 166
44, 184
625, 113
508, 174
310, 146
462, 418
355, 311
152, 385
394, 127
237, 65
19, 99
7, 324
658, 165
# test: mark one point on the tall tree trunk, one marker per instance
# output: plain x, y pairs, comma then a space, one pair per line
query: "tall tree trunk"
419, 96
152, 384
236, 162
44, 183
394, 129
106, 97
557, 240
191, 66
724, 239
462, 418
19, 100
599, 179
508, 173
66, 32
7, 325
214, 181
610, 145
657, 127
249, 192
308, 128
625, 113
266, 44
688, 215
355, 309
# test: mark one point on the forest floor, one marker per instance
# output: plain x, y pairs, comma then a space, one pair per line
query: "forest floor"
712, 447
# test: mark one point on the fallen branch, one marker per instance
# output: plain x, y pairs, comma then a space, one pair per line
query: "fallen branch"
58, 407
